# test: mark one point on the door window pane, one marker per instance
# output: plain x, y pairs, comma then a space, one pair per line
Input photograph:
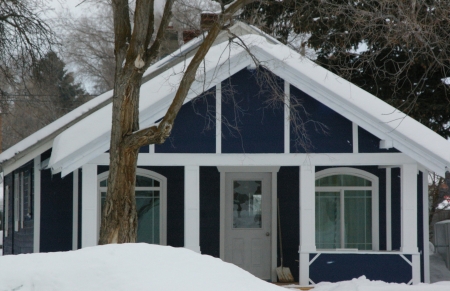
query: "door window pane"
247, 204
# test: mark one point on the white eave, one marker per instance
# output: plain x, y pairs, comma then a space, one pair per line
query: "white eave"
89, 137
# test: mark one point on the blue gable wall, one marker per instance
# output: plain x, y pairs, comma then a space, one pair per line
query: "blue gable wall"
368, 143
249, 124
338, 137
194, 130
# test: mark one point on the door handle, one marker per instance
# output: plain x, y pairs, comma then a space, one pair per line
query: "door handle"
267, 233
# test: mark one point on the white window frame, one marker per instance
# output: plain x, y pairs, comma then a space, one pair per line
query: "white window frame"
163, 198
375, 194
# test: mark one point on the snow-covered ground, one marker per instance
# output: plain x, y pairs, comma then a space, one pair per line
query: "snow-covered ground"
151, 267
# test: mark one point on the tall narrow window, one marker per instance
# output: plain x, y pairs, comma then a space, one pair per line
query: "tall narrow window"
150, 196
346, 207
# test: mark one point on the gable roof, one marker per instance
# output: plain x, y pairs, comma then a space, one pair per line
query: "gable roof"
42, 140
223, 60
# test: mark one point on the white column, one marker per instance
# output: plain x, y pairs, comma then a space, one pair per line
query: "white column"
37, 204
307, 220
75, 211
89, 207
426, 249
192, 208
409, 208
388, 209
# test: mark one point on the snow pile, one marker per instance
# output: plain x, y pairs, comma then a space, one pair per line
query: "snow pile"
125, 267
363, 284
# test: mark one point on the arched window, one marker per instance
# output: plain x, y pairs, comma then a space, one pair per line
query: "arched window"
150, 204
346, 209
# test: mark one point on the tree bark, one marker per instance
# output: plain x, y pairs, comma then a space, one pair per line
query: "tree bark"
133, 55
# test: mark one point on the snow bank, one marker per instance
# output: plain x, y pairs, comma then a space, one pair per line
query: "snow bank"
125, 267
363, 284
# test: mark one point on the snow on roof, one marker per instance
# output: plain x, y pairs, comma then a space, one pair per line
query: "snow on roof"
118, 267
46, 131
90, 137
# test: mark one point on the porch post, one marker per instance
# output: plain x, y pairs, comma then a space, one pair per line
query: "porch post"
307, 220
192, 208
89, 206
409, 216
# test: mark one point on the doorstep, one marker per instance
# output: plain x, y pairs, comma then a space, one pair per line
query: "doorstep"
294, 286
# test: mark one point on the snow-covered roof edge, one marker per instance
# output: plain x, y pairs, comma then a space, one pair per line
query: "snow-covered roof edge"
359, 106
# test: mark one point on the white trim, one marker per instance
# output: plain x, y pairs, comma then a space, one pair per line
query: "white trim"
274, 180
388, 209
89, 206
355, 138
19, 160
307, 220
22, 198
375, 196
426, 230
163, 199
192, 208
219, 118
409, 208
406, 260
340, 159
75, 211
287, 117
6, 213
415, 269
37, 205
315, 257
151, 149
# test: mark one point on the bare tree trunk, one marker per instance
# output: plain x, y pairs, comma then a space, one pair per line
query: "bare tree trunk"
133, 55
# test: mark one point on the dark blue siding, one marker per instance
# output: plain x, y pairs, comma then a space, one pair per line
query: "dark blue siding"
368, 143
21, 241
249, 123
318, 118
395, 208
338, 267
287, 190
56, 212
194, 130
175, 201
420, 233
210, 211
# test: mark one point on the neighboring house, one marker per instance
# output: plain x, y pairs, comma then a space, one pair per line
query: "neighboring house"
355, 204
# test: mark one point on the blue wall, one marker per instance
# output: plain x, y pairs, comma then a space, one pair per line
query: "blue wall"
287, 190
194, 130
368, 143
339, 267
21, 241
210, 211
249, 123
56, 211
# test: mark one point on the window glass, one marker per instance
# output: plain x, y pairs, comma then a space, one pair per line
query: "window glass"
342, 180
358, 219
147, 207
247, 204
328, 217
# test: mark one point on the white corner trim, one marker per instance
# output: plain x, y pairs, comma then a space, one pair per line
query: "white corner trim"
386, 144
388, 209
287, 117
408, 208
37, 205
219, 118
89, 208
75, 211
222, 215
426, 230
355, 138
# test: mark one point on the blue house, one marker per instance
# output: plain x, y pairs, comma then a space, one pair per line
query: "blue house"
349, 171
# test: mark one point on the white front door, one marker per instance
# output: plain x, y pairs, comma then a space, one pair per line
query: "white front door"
248, 222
